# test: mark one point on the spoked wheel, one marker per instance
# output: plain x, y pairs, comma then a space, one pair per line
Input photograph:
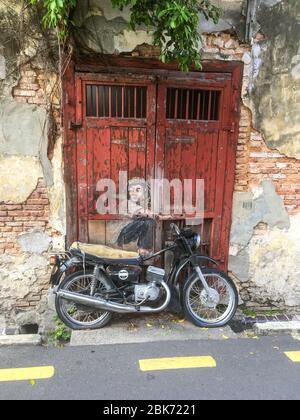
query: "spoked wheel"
79, 317
210, 311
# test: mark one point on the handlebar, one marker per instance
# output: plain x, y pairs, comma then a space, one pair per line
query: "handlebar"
176, 228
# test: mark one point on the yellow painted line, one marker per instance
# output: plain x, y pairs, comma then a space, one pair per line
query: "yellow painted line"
177, 363
26, 374
294, 356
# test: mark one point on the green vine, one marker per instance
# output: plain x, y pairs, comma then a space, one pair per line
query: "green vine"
175, 24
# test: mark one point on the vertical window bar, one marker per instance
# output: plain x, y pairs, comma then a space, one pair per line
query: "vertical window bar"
206, 96
176, 104
213, 106
187, 105
123, 101
192, 105
115, 102
144, 114
135, 102
141, 103
97, 101
209, 105
109, 101
88, 100
168, 103
128, 102
198, 105
94, 98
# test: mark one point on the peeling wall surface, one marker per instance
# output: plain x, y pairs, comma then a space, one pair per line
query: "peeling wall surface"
32, 208
264, 249
275, 86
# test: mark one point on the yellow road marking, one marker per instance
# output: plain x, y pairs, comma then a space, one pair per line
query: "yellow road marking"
177, 363
26, 374
294, 356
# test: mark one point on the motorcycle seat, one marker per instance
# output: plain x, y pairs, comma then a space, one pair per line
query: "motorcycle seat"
105, 252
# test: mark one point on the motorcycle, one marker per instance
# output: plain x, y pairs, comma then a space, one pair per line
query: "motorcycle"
91, 282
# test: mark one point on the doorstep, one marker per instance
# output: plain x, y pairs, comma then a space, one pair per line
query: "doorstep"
130, 329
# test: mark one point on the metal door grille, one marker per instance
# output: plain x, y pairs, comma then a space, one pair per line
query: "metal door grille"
114, 101
193, 104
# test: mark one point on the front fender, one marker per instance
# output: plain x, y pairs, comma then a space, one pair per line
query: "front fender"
57, 273
194, 260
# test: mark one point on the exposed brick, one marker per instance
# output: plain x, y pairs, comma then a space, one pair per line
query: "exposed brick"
37, 201
9, 207
6, 219
24, 93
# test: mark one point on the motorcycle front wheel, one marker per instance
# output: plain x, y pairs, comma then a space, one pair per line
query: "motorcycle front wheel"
78, 317
213, 311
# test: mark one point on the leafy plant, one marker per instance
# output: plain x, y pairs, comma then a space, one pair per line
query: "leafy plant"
175, 23
57, 15
61, 334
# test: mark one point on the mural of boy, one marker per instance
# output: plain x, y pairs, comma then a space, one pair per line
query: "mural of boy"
141, 228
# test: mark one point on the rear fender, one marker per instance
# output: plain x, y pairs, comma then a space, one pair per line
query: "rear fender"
63, 268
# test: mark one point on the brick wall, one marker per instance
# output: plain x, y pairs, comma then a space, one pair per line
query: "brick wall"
16, 219
265, 163
30, 88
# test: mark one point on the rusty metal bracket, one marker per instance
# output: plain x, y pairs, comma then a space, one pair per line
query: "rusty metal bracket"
75, 125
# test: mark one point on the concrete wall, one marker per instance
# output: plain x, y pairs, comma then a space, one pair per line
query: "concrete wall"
32, 214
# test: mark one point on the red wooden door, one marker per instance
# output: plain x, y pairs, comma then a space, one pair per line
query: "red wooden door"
177, 126
194, 125
117, 135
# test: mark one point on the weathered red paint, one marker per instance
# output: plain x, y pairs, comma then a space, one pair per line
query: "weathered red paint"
155, 146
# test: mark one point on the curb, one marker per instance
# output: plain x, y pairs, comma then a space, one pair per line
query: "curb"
20, 340
269, 328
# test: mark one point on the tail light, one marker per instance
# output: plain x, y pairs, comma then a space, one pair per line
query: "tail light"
53, 260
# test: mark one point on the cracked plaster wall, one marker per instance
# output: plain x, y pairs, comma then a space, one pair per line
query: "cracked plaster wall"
264, 252
32, 203
274, 92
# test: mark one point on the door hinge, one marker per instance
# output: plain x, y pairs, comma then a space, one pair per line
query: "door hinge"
230, 128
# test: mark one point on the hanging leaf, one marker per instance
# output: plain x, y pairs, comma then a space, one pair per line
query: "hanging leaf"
176, 20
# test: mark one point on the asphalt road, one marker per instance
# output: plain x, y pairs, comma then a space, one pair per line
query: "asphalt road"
245, 369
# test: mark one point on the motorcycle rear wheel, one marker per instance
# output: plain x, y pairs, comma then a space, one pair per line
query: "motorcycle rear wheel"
75, 316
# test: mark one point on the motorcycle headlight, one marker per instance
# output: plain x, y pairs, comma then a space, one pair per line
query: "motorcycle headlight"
196, 241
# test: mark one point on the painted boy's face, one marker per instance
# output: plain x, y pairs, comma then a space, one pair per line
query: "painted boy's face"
136, 193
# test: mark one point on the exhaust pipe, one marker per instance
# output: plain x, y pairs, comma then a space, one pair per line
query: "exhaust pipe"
108, 306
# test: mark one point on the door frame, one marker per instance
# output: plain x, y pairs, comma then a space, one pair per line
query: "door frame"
91, 66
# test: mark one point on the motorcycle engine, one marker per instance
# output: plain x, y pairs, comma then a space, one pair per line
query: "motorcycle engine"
146, 292
137, 291
150, 291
